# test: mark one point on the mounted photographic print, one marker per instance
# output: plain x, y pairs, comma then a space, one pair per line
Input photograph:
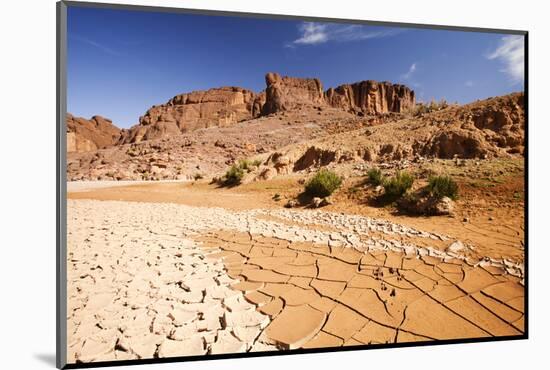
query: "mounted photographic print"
235, 184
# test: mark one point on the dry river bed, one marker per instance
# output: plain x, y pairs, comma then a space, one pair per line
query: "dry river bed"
150, 280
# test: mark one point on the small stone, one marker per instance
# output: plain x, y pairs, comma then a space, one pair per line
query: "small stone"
456, 247
316, 202
291, 204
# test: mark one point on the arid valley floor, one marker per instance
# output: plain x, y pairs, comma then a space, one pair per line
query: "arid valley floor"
165, 260
209, 273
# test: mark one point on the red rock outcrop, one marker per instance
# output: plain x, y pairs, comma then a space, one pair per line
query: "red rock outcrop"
288, 93
478, 129
226, 106
258, 104
187, 112
366, 97
85, 135
371, 97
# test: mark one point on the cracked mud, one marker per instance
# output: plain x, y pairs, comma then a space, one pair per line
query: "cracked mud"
149, 280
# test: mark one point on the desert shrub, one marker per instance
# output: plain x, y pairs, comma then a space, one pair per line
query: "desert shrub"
323, 184
375, 177
233, 176
245, 165
236, 172
443, 186
433, 106
398, 185
198, 176
248, 165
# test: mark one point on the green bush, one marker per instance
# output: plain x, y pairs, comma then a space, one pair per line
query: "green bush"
375, 176
233, 176
248, 165
443, 186
323, 184
398, 185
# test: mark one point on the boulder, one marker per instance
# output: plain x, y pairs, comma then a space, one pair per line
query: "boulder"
267, 174
426, 205
442, 206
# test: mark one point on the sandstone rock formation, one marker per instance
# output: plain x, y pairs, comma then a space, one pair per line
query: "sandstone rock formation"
187, 112
488, 127
226, 106
85, 135
287, 93
365, 97
371, 97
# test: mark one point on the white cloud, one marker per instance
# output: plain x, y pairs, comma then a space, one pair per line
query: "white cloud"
469, 83
312, 33
96, 45
511, 52
410, 72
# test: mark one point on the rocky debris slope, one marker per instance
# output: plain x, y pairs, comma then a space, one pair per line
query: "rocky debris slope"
204, 151
493, 126
489, 128
85, 135
300, 285
187, 112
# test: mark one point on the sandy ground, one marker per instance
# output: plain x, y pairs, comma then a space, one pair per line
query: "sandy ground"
187, 273
83, 186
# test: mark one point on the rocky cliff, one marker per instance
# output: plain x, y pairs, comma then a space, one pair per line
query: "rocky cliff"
288, 93
85, 135
226, 106
187, 112
365, 97
371, 97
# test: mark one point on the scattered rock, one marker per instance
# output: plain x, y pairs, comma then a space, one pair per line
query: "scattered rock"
267, 174
316, 202
443, 206
456, 247
291, 203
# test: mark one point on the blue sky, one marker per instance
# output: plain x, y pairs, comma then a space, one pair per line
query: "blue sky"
122, 62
